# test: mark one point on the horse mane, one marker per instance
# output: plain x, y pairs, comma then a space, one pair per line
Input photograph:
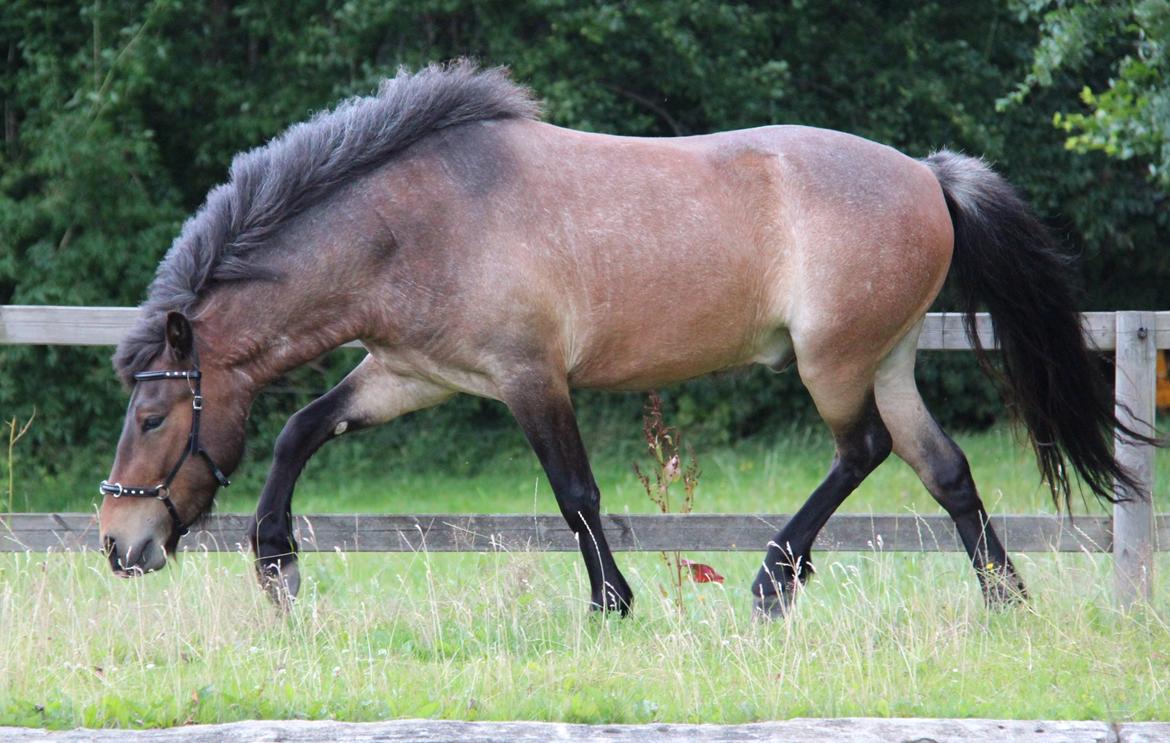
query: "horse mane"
270, 184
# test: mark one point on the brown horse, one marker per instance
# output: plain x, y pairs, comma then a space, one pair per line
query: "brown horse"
473, 249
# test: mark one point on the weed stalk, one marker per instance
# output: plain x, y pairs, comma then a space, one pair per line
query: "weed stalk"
664, 445
15, 435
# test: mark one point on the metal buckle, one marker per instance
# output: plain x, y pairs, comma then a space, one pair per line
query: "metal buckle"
197, 402
163, 492
118, 485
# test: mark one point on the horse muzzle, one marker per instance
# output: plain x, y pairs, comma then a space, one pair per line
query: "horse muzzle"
130, 558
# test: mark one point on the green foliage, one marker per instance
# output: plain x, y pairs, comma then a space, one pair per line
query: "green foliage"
118, 117
1129, 116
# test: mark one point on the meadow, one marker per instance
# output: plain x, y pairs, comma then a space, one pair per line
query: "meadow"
509, 635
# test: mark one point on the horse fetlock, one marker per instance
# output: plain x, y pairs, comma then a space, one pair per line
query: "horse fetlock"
783, 573
772, 607
1002, 586
614, 595
270, 537
276, 565
280, 577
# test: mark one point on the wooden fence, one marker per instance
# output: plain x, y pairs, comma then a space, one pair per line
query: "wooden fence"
1133, 534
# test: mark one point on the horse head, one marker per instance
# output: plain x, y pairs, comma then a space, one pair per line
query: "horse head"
183, 433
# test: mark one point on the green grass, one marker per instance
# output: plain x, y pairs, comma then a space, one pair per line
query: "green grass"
772, 474
768, 474
508, 636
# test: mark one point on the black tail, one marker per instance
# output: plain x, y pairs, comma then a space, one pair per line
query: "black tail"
1006, 259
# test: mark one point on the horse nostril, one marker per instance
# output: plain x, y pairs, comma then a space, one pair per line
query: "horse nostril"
144, 557
110, 547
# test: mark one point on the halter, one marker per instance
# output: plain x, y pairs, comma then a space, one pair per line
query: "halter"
163, 492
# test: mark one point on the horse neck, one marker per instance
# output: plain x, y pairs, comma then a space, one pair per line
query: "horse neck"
261, 329
334, 262
259, 335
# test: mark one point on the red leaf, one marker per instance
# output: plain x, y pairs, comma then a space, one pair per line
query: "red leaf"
701, 573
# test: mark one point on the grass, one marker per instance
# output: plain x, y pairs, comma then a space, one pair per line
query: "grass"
771, 474
508, 636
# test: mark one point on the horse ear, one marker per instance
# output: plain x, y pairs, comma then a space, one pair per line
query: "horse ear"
180, 338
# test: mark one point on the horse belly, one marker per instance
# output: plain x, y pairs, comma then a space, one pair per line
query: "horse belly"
675, 329
664, 259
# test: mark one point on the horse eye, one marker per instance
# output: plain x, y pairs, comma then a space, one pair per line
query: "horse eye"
151, 423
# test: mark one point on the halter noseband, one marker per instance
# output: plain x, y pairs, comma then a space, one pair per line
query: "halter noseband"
163, 492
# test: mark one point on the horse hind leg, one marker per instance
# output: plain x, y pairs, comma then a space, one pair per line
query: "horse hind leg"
944, 470
862, 443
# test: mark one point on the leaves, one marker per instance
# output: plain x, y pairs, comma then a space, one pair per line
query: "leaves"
119, 116
1129, 114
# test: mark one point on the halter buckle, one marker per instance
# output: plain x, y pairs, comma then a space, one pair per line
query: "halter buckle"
162, 491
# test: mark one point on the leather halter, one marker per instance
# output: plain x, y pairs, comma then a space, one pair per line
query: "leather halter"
162, 491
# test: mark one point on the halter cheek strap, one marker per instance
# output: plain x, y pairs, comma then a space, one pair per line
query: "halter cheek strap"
162, 491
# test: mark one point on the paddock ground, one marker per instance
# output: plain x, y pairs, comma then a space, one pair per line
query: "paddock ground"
842, 730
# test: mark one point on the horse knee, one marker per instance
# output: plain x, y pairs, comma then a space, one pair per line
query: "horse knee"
583, 499
579, 501
302, 434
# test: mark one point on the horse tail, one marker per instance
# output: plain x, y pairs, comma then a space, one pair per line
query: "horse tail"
1005, 259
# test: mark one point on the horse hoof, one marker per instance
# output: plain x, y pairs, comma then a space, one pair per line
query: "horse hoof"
771, 608
621, 607
1003, 596
1002, 587
281, 582
612, 603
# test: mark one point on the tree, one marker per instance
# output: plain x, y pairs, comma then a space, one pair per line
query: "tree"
1129, 115
119, 116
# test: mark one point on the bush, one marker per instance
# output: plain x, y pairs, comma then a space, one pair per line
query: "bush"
118, 119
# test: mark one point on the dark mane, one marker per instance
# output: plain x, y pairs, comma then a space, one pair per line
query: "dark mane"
270, 184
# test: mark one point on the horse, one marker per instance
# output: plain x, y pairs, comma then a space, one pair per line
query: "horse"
472, 248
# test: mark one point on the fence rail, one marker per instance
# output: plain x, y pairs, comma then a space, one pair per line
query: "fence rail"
105, 326
1133, 535
697, 532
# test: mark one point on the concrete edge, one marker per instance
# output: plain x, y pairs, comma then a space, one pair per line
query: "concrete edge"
845, 730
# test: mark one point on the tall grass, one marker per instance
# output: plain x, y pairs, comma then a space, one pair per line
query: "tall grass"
508, 636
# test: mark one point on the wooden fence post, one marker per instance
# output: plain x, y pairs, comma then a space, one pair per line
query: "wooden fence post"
1133, 521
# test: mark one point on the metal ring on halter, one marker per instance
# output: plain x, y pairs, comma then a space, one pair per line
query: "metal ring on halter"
162, 492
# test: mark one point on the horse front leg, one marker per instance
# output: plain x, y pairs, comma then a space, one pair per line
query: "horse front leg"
368, 396
545, 413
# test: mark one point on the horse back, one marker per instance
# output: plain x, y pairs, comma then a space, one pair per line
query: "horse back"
631, 262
